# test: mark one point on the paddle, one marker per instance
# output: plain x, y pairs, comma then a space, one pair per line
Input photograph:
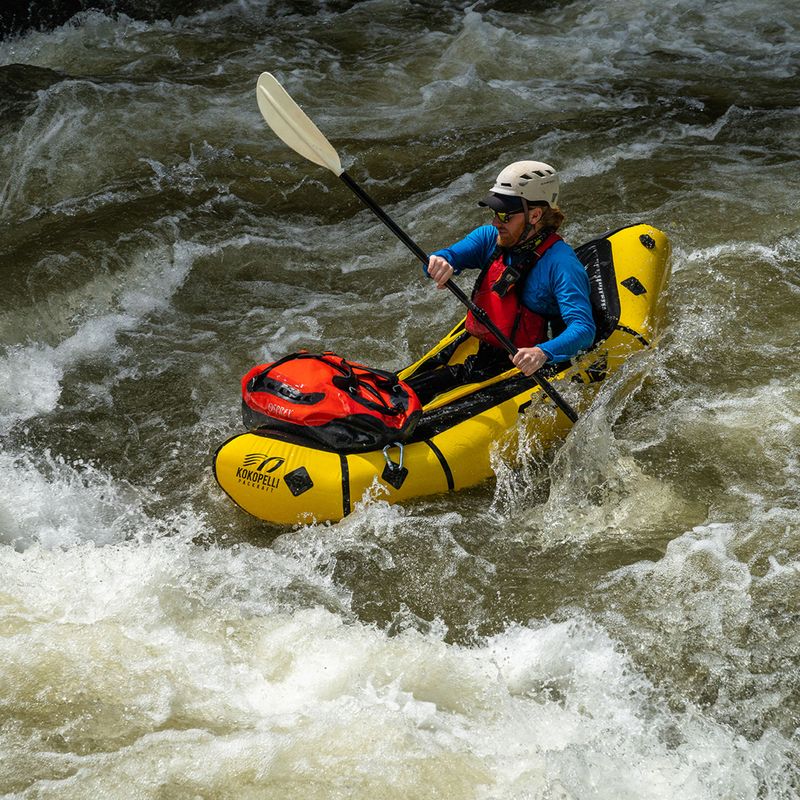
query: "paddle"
292, 125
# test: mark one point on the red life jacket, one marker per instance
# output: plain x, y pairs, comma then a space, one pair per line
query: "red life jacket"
499, 293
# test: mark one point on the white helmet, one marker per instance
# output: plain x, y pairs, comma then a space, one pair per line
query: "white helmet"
536, 181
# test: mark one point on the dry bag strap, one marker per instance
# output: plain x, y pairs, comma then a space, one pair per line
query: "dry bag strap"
264, 383
345, 370
383, 380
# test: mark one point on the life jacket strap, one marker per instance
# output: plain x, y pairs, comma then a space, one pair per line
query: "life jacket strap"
511, 274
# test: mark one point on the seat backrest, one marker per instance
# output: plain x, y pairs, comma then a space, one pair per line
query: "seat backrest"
596, 257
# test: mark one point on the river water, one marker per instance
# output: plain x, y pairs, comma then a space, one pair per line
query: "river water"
616, 619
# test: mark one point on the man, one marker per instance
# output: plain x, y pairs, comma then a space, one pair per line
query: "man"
522, 258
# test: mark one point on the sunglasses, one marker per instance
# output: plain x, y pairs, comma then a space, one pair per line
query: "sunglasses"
505, 216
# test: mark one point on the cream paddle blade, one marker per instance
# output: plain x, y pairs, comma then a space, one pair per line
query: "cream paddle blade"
291, 124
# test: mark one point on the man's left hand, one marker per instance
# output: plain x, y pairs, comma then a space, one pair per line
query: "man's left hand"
529, 359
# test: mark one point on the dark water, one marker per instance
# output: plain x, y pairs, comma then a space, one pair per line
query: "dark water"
617, 619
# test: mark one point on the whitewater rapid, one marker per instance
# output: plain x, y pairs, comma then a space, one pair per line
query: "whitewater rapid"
616, 619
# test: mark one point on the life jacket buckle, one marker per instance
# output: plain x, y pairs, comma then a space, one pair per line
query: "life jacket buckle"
506, 281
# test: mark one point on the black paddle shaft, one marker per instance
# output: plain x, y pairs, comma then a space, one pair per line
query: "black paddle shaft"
544, 384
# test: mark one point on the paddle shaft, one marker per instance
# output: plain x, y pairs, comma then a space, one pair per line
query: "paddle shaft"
507, 344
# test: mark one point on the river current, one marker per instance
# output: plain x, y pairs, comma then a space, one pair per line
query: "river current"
614, 619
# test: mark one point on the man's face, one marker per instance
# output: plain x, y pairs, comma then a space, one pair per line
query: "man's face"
510, 226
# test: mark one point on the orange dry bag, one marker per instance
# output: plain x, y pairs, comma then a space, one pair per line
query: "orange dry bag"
335, 403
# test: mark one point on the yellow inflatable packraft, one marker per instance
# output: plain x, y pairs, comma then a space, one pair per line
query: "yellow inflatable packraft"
285, 480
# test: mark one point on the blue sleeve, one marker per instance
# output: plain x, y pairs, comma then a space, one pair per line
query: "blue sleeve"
570, 285
471, 252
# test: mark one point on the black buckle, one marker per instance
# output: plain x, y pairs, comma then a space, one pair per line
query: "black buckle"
506, 281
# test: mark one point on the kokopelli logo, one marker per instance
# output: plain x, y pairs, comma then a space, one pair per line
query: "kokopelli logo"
265, 463
255, 471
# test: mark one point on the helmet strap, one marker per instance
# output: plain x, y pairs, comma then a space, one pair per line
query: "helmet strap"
528, 224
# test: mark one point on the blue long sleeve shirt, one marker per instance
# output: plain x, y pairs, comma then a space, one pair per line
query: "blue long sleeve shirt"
557, 287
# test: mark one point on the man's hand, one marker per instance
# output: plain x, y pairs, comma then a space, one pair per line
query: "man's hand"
529, 359
440, 270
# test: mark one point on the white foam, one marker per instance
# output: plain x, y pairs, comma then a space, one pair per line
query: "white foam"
47, 501
31, 375
212, 656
